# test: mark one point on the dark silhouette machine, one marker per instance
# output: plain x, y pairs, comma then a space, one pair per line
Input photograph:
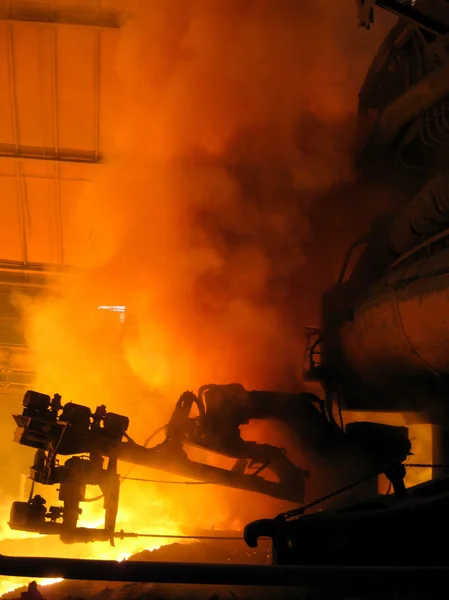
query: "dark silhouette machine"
94, 443
383, 344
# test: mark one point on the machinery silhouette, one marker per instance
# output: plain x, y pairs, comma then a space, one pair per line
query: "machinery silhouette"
383, 341
92, 439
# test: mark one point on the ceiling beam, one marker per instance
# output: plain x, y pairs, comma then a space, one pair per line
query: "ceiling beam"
12, 86
49, 158
12, 378
46, 177
103, 23
34, 268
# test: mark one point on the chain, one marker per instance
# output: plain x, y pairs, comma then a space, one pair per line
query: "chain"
298, 512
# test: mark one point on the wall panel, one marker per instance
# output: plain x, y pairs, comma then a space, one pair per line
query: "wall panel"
10, 224
42, 225
109, 84
33, 61
75, 233
76, 88
6, 118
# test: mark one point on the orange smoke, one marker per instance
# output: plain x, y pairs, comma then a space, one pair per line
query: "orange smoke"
230, 118
223, 122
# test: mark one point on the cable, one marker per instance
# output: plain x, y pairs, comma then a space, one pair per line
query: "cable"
95, 499
154, 434
164, 481
147, 441
298, 512
122, 535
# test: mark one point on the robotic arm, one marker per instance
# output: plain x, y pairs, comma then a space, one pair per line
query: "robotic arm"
95, 442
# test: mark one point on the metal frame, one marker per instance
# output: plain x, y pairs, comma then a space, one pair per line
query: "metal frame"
74, 160
15, 275
101, 23
30, 269
15, 378
63, 22
51, 177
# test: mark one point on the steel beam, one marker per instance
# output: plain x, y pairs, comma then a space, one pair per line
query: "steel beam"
36, 269
56, 145
12, 89
13, 378
97, 71
50, 177
347, 578
50, 159
104, 23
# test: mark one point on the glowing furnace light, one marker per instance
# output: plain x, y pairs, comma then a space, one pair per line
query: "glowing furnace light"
117, 309
50, 581
17, 584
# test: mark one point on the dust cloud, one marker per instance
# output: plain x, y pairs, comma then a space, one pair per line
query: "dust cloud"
232, 118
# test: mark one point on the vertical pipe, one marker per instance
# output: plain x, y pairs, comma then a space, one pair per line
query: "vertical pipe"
56, 142
12, 90
97, 61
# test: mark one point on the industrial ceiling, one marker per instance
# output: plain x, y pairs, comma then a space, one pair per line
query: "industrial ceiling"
56, 92
56, 84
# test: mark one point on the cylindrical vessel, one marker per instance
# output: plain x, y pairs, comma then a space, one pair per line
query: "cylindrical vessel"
398, 335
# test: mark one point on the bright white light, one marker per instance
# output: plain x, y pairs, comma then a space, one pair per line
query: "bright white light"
123, 557
50, 581
41, 582
118, 309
